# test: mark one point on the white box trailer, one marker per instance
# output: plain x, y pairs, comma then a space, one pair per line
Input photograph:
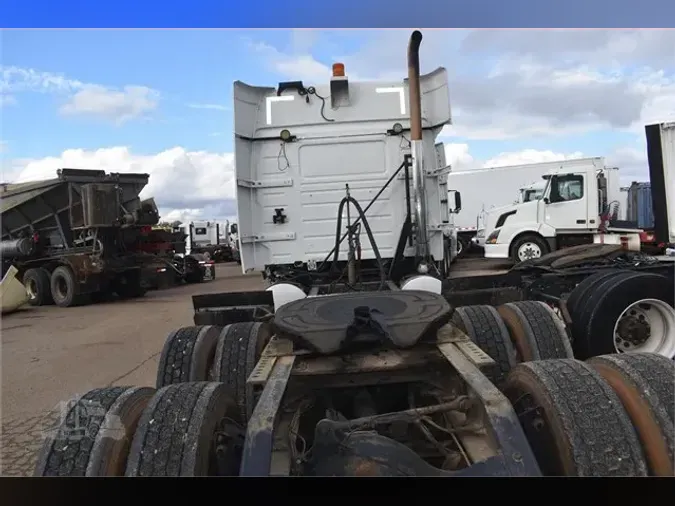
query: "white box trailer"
489, 188
661, 156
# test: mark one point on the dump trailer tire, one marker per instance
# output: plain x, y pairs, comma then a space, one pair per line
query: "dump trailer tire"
187, 355
176, 435
597, 329
577, 297
239, 348
573, 420
129, 285
645, 383
487, 330
38, 285
536, 331
64, 287
94, 436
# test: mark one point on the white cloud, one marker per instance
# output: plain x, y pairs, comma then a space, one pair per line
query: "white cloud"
631, 161
116, 106
214, 107
302, 67
6, 100
190, 183
518, 84
83, 99
458, 155
16, 79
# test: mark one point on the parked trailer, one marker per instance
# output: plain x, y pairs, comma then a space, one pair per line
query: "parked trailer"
494, 187
206, 238
72, 237
381, 377
661, 156
172, 265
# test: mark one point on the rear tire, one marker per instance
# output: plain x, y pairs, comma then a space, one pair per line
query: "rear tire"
239, 348
64, 288
187, 355
38, 286
536, 331
188, 429
487, 330
573, 420
603, 327
129, 285
645, 383
94, 436
582, 290
463, 246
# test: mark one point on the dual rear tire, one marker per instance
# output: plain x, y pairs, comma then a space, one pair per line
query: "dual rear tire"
61, 287
611, 416
58, 287
513, 333
623, 311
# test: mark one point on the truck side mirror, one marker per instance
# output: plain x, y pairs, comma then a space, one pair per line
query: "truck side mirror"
233, 228
458, 202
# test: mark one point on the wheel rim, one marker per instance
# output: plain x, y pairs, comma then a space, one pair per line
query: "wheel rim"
460, 247
647, 325
61, 288
31, 289
528, 251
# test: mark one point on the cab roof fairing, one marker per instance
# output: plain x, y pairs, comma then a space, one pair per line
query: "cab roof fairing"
260, 113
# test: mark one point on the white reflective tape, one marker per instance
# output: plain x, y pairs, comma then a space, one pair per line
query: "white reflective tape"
395, 89
271, 100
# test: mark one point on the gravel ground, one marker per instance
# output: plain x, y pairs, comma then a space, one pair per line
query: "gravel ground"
51, 354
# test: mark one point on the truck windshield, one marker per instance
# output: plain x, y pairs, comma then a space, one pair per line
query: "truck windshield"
531, 194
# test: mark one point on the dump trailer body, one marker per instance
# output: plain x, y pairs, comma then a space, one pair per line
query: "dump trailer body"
58, 204
79, 231
295, 151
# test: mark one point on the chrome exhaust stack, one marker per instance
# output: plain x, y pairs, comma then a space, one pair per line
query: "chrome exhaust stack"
417, 149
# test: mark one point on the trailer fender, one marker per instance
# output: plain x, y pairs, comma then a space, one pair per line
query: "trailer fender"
84, 267
284, 293
423, 283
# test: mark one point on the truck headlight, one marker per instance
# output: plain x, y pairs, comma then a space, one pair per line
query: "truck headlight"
480, 233
492, 238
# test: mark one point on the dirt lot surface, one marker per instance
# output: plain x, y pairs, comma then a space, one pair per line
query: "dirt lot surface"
51, 354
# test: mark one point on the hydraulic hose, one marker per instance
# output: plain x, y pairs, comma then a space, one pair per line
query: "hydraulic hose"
371, 238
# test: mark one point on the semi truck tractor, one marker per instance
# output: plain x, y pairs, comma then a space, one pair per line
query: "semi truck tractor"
354, 362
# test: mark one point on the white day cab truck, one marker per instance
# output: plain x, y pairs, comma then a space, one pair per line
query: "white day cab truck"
208, 238
354, 362
579, 205
494, 187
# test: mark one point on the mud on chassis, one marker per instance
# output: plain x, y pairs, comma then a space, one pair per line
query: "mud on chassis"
389, 382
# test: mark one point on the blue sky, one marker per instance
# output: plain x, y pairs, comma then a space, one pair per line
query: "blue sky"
546, 94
